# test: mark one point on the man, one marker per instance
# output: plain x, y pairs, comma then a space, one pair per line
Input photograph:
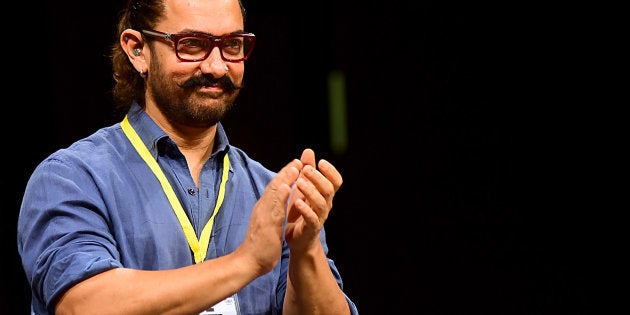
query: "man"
159, 214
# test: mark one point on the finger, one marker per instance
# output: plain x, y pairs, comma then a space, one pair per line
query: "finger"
311, 218
323, 185
331, 173
308, 157
287, 174
294, 194
279, 188
315, 199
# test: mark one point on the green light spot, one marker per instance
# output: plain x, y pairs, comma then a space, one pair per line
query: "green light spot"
337, 112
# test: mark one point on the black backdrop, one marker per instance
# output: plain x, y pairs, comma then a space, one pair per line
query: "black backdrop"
437, 213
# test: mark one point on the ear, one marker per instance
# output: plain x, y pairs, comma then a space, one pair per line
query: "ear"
133, 45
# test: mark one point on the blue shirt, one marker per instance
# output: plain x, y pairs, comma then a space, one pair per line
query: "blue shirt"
96, 205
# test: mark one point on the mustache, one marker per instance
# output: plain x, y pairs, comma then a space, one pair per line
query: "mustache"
207, 80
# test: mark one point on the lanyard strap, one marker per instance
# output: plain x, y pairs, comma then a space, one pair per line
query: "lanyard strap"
199, 247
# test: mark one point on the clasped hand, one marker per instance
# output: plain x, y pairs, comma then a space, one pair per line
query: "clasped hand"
302, 195
310, 201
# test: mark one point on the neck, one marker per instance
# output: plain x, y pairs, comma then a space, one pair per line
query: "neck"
195, 143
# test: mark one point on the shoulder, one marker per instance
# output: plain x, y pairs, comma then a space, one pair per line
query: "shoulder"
98, 150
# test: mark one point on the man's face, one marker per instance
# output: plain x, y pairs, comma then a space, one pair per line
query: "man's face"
194, 93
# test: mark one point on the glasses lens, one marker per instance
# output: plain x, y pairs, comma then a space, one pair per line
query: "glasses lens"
193, 48
233, 48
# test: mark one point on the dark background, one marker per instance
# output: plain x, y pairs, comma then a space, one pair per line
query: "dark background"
448, 204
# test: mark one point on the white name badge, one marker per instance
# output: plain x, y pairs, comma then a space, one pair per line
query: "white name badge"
228, 306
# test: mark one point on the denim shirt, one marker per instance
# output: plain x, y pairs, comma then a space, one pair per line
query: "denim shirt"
96, 205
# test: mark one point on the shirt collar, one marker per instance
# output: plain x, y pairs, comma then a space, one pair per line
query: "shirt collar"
151, 134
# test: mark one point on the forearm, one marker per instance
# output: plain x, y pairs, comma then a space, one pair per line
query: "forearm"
311, 286
191, 289
187, 290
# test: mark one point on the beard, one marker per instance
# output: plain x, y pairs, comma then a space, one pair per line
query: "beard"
184, 103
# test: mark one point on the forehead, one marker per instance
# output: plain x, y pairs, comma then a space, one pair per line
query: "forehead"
215, 17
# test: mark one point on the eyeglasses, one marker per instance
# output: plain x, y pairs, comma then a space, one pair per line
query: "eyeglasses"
192, 47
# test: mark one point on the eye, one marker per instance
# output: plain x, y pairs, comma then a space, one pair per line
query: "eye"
189, 44
232, 45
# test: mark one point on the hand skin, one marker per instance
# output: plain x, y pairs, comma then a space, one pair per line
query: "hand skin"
192, 289
311, 287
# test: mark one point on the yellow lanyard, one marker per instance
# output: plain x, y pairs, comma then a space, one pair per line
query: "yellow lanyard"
199, 247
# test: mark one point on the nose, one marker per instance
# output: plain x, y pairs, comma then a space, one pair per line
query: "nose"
214, 64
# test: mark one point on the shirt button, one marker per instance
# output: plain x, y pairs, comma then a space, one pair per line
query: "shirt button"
191, 191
